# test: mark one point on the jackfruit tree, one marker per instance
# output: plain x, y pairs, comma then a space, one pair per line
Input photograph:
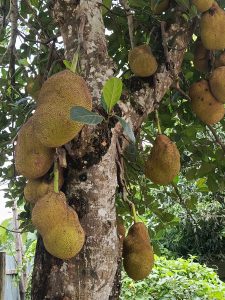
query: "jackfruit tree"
107, 109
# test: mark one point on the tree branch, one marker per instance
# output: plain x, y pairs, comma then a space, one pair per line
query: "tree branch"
130, 22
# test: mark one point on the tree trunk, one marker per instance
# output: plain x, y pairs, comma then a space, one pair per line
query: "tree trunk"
92, 176
91, 180
2, 274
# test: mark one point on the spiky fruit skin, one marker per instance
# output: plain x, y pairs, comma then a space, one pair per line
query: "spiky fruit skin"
50, 211
159, 7
34, 86
201, 58
220, 61
217, 84
204, 104
203, 5
58, 95
212, 26
142, 62
163, 163
37, 188
138, 256
64, 241
32, 159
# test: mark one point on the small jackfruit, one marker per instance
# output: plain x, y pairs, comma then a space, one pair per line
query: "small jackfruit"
201, 57
37, 188
51, 210
61, 92
217, 84
142, 61
65, 240
202, 5
220, 60
204, 104
163, 163
32, 159
34, 86
212, 26
138, 256
159, 6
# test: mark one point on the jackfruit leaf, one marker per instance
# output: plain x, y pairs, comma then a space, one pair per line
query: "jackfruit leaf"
107, 5
80, 114
112, 91
139, 3
127, 129
103, 103
35, 3
184, 3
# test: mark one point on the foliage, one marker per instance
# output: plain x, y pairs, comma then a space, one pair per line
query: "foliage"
175, 280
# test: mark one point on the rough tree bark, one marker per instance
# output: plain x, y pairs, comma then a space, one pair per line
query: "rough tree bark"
91, 180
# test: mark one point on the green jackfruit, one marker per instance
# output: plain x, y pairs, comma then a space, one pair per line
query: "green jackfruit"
142, 62
138, 256
37, 188
50, 211
201, 58
159, 6
163, 163
204, 104
32, 159
212, 26
202, 5
61, 92
65, 240
217, 84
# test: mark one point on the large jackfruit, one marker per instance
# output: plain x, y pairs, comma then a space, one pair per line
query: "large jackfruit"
142, 62
202, 5
58, 95
32, 159
217, 84
201, 57
204, 104
37, 188
163, 163
65, 240
138, 256
159, 6
212, 26
50, 211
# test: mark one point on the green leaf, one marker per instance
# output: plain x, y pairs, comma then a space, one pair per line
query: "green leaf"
81, 114
73, 67
112, 91
127, 129
35, 3
108, 4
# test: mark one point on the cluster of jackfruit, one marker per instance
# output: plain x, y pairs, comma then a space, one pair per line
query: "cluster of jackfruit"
207, 95
58, 225
48, 128
138, 256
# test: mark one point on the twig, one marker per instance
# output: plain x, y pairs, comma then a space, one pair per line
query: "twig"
158, 122
218, 140
130, 22
10, 230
